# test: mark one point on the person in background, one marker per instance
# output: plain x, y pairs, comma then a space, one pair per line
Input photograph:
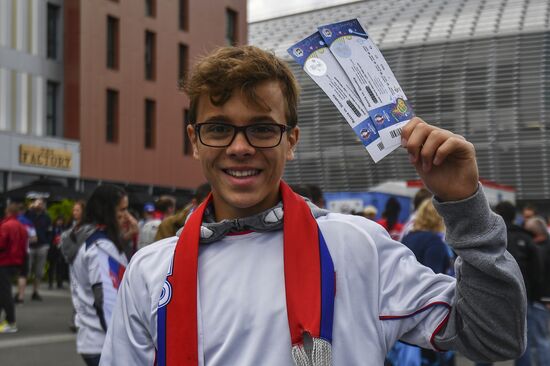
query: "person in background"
69, 246
38, 251
170, 225
78, 213
529, 258
19, 297
147, 215
420, 196
165, 207
13, 244
129, 234
390, 218
317, 196
370, 212
57, 268
529, 211
430, 250
97, 267
538, 314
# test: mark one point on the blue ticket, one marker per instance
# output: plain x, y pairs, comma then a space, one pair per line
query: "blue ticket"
320, 64
371, 77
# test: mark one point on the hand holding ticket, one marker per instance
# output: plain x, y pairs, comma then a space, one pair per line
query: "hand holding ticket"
344, 61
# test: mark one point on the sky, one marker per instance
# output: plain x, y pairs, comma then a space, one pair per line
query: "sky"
264, 9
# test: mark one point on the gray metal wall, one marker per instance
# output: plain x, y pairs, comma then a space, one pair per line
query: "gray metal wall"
494, 91
478, 67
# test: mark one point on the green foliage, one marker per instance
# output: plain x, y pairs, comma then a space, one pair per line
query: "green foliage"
63, 208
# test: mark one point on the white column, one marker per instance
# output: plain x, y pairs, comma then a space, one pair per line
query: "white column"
22, 25
21, 107
34, 27
5, 104
38, 97
38, 27
5, 23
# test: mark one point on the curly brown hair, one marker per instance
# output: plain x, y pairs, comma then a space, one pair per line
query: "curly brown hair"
219, 73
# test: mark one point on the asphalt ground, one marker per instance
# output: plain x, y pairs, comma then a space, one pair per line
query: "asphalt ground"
44, 337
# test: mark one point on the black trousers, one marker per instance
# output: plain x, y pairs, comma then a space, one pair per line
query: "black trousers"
6, 298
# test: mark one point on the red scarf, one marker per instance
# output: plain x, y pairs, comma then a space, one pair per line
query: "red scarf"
303, 254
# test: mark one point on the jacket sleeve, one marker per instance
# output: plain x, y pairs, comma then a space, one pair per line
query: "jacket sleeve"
488, 314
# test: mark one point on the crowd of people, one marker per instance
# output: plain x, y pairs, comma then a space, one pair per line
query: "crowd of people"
251, 273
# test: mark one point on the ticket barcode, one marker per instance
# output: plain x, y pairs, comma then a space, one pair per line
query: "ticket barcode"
396, 133
380, 146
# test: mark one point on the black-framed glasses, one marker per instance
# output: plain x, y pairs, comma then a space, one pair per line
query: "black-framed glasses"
259, 135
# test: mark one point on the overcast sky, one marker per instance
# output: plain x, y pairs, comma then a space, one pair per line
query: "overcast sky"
264, 9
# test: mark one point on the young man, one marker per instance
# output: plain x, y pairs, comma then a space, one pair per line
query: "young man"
259, 277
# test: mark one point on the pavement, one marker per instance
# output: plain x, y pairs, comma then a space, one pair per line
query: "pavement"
44, 337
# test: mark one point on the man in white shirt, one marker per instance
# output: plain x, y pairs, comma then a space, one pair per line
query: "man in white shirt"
259, 277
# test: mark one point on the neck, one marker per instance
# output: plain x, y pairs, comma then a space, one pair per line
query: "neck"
223, 210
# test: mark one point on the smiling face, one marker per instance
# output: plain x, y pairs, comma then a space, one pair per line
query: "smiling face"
244, 179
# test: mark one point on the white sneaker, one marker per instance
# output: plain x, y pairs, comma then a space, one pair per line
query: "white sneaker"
6, 327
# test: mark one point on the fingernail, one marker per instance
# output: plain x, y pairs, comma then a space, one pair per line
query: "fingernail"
403, 142
412, 159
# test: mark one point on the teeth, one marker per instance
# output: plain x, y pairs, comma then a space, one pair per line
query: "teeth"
242, 173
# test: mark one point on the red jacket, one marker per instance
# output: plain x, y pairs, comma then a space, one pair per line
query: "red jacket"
13, 242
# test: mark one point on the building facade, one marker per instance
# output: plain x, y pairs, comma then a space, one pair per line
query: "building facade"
478, 67
31, 95
106, 75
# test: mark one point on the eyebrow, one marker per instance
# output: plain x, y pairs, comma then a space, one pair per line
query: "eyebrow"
257, 119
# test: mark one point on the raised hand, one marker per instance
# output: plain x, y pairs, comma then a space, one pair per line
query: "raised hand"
444, 161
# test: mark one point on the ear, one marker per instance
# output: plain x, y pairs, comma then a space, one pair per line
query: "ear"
193, 137
292, 137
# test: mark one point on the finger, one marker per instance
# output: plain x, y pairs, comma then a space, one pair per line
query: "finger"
416, 140
434, 140
408, 129
455, 145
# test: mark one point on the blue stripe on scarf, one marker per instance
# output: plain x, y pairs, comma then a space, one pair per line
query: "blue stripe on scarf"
328, 284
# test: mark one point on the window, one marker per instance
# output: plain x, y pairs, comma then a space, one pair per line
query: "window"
230, 27
150, 8
182, 15
112, 42
183, 65
52, 31
112, 116
51, 108
149, 55
187, 148
149, 124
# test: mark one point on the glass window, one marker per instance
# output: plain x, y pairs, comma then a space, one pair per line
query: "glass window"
112, 42
182, 15
149, 124
230, 27
150, 8
183, 64
149, 55
112, 116
52, 31
52, 108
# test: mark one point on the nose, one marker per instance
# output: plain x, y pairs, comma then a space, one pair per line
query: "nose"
240, 146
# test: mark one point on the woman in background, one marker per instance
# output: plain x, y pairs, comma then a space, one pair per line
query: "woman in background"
97, 267
426, 242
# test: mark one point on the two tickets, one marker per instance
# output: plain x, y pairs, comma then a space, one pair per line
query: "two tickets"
344, 61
